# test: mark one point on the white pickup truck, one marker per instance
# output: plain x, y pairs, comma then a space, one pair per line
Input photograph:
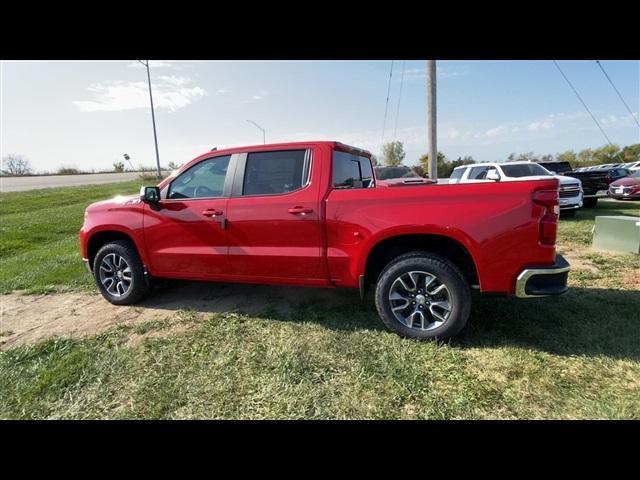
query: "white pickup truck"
570, 190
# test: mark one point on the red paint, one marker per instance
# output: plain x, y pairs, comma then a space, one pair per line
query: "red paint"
321, 236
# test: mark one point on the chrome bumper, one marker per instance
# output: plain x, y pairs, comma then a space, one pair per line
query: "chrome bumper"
540, 282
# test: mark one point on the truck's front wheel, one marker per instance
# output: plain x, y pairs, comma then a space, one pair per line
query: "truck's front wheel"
423, 295
119, 274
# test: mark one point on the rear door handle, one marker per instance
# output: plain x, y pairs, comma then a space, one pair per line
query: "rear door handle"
300, 210
211, 212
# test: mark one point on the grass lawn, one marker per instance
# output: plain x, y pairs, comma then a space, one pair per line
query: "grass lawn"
574, 356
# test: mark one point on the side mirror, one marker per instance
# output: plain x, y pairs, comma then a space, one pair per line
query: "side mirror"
150, 194
493, 175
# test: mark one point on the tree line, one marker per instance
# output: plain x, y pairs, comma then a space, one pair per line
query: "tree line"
393, 155
16, 165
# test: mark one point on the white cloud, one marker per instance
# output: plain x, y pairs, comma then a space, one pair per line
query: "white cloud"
173, 80
169, 93
499, 130
544, 125
222, 91
262, 93
453, 133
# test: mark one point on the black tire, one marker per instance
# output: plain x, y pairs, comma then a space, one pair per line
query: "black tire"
447, 273
568, 213
589, 202
138, 288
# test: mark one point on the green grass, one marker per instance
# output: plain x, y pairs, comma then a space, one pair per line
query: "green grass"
574, 356
39, 246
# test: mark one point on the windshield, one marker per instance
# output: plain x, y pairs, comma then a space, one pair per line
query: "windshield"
524, 170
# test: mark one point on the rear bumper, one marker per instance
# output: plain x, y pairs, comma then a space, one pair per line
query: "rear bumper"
540, 282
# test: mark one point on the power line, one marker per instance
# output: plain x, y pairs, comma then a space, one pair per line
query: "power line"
582, 101
386, 106
619, 95
395, 128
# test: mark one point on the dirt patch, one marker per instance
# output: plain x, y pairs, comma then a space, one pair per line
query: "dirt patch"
578, 263
631, 280
29, 318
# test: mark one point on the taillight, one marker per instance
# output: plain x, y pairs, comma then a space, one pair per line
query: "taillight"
549, 221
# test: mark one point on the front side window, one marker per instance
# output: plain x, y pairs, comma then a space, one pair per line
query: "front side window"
351, 171
203, 180
479, 173
268, 173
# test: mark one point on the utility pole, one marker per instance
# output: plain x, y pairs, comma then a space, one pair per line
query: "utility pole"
153, 117
431, 119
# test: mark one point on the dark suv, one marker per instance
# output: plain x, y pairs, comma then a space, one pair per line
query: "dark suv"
595, 183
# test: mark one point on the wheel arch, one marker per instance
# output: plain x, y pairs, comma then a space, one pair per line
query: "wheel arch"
392, 246
100, 238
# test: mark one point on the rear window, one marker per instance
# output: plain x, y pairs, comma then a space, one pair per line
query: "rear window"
351, 171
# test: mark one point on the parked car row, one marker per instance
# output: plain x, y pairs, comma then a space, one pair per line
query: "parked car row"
616, 180
577, 188
596, 182
632, 166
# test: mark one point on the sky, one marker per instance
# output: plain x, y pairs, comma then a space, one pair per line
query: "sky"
87, 114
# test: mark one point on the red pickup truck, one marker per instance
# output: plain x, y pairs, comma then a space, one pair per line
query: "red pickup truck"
311, 214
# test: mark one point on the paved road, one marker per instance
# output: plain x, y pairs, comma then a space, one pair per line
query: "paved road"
16, 184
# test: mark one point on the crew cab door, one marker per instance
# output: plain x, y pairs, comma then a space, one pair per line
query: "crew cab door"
185, 234
274, 218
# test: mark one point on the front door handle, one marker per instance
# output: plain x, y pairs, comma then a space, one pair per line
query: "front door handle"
300, 210
211, 212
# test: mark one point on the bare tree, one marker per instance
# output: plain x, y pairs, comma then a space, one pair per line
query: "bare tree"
15, 165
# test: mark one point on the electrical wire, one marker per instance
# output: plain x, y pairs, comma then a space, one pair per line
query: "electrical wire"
582, 101
386, 107
619, 94
395, 128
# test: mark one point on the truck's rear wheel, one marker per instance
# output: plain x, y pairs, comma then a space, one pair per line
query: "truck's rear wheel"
119, 274
423, 295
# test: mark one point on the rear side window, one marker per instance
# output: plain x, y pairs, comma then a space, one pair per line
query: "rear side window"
204, 180
268, 173
351, 171
457, 173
